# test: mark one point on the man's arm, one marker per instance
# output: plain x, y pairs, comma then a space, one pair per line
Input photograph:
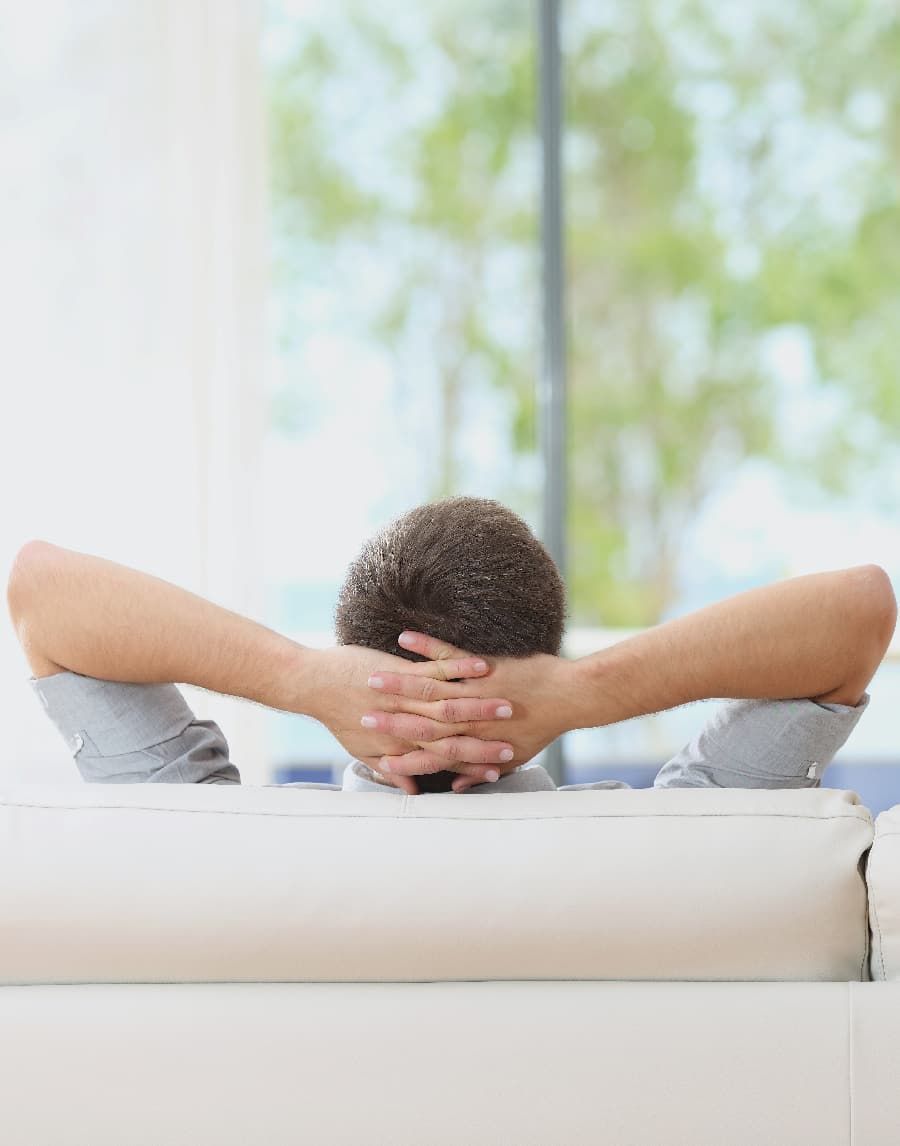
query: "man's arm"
821, 637
93, 617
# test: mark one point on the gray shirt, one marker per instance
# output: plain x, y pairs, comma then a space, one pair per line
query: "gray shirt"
147, 733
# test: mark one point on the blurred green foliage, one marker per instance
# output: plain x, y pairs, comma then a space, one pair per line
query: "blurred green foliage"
731, 174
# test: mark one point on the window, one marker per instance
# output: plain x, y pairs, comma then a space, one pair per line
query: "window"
731, 211
732, 231
405, 174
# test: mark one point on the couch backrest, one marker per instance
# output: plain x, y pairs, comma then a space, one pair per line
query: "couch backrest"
204, 883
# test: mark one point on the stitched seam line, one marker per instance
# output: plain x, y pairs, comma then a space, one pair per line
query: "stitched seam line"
760, 774
14, 984
881, 833
850, 1096
112, 756
297, 815
873, 912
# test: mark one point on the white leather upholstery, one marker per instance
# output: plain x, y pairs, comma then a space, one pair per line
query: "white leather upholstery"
206, 883
874, 1035
883, 878
190, 883
451, 1064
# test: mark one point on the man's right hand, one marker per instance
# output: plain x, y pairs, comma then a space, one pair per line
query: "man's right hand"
543, 692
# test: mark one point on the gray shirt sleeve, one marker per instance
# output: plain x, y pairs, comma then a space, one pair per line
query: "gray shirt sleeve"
763, 744
134, 733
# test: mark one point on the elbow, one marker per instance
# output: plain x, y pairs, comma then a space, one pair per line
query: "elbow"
875, 606
28, 572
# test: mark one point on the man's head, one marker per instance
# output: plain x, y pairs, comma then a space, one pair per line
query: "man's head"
466, 570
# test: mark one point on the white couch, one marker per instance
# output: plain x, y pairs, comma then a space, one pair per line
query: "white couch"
190, 965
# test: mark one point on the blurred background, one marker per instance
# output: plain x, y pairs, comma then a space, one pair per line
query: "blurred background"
274, 272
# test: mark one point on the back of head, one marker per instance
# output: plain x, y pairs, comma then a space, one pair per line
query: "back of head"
466, 570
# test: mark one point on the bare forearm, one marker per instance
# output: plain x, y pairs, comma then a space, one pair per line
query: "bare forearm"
819, 636
90, 616
94, 617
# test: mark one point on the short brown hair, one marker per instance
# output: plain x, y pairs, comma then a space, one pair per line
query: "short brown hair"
466, 570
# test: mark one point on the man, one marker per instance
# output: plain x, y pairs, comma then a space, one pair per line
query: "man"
105, 644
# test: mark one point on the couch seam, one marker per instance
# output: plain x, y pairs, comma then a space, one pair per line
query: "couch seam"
873, 912
201, 811
862, 868
850, 1095
409, 813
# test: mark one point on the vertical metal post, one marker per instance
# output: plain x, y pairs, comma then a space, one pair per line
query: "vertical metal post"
552, 403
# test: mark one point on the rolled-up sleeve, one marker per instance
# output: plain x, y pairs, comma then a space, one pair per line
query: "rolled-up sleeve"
763, 744
134, 733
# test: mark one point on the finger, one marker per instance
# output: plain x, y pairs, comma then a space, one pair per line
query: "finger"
429, 647
468, 710
460, 668
425, 763
453, 710
458, 754
463, 784
469, 750
399, 780
405, 783
405, 726
424, 730
425, 688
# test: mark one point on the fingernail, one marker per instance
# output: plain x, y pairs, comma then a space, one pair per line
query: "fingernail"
369, 722
492, 775
385, 765
504, 711
405, 639
479, 666
506, 755
375, 682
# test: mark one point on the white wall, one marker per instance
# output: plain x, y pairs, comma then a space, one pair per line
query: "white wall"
132, 262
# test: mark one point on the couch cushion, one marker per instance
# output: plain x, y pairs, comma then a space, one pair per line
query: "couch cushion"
448, 1064
883, 875
206, 883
